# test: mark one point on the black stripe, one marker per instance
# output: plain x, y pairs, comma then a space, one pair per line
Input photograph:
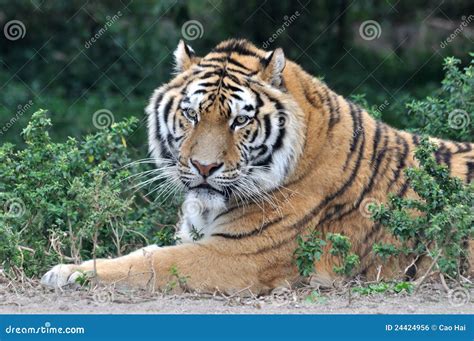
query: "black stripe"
238, 49
335, 114
189, 52
232, 88
264, 162
236, 96
254, 136
401, 162
272, 247
404, 188
443, 155
267, 60
375, 228
247, 74
252, 233
377, 157
213, 84
463, 147
237, 63
357, 131
167, 109
158, 102
308, 217
210, 74
233, 78
211, 65
268, 127
164, 151
229, 210
470, 171
216, 59
273, 99
307, 96
279, 141
259, 102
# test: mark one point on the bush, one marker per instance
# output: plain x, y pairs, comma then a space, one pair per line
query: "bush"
449, 112
68, 201
439, 224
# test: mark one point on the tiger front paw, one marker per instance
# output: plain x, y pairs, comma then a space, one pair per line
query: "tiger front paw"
61, 275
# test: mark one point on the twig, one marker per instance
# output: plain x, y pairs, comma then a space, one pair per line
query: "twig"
422, 279
379, 271
443, 282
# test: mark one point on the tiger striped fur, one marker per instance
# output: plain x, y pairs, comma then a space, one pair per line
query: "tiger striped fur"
266, 152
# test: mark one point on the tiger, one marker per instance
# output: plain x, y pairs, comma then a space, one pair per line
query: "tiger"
265, 153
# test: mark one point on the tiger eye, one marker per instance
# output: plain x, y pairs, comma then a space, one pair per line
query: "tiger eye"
241, 119
191, 113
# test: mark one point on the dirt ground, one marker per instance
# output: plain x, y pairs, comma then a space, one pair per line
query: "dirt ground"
430, 299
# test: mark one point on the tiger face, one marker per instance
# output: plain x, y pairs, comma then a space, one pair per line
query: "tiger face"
224, 128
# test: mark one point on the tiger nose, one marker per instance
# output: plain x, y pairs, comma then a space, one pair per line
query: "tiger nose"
206, 170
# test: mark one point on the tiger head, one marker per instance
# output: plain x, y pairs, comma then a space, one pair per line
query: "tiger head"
226, 127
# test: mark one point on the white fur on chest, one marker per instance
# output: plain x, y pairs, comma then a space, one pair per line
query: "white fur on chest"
198, 217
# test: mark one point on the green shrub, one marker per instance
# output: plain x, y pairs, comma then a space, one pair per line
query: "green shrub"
382, 288
439, 223
309, 250
341, 246
449, 111
442, 220
63, 202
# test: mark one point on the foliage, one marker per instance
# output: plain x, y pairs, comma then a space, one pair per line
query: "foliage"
341, 246
68, 201
449, 112
439, 223
176, 280
309, 250
382, 287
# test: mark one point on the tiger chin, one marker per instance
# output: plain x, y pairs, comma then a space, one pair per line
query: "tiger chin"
265, 152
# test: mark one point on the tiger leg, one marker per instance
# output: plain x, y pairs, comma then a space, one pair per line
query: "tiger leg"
192, 266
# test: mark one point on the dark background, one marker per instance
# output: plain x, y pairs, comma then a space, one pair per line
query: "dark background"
52, 67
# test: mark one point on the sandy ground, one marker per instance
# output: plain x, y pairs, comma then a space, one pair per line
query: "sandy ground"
430, 299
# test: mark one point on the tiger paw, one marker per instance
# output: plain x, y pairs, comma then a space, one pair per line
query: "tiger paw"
61, 275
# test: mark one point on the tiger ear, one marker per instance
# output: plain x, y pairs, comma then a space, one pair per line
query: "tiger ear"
274, 63
184, 57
